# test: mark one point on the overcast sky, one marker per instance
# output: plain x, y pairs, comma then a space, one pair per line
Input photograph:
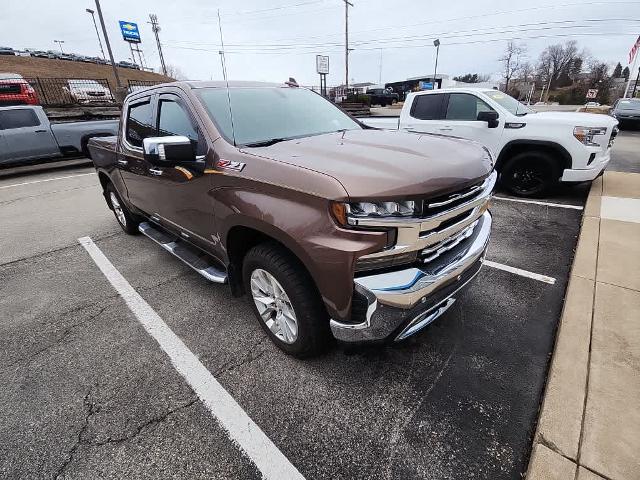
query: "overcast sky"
273, 40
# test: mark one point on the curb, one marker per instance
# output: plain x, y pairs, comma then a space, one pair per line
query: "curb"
556, 443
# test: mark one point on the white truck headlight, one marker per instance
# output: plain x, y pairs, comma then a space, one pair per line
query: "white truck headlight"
586, 135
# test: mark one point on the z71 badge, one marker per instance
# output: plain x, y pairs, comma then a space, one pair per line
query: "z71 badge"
229, 165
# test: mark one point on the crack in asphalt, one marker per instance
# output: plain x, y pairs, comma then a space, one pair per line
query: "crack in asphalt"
251, 357
66, 332
92, 408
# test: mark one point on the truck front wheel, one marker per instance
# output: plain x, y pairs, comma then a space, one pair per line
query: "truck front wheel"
125, 218
529, 174
285, 300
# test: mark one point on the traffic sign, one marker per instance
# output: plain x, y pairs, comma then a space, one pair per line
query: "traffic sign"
592, 93
130, 32
322, 64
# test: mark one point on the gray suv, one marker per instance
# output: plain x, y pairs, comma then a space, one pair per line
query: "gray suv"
627, 112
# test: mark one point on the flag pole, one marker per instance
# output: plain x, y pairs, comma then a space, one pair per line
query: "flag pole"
634, 49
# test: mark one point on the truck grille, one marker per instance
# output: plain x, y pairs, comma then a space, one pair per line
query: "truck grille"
444, 226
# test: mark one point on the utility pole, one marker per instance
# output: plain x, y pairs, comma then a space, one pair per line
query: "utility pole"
59, 42
380, 70
436, 43
106, 41
347, 4
156, 28
96, 27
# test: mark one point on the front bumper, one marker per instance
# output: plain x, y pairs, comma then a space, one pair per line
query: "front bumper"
402, 302
591, 172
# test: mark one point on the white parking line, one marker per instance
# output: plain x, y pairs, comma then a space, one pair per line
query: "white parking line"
46, 180
522, 273
241, 429
535, 202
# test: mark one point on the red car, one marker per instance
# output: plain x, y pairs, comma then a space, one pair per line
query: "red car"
15, 90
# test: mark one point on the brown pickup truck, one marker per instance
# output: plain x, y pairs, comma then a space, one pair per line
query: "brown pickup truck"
331, 227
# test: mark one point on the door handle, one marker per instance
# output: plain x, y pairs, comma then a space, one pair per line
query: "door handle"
155, 171
445, 129
41, 131
123, 163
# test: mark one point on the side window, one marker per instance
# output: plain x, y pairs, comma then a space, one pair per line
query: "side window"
463, 106
18, 118
139, 123
173, 120
427, 107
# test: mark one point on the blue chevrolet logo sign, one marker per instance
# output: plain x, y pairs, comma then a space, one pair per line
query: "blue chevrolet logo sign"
130, 32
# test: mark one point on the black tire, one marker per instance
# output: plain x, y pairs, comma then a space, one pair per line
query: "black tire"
529, 174
128, 222
313, 333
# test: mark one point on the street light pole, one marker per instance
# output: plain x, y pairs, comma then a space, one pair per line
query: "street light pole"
106, 41
59, 42
436, 43
98, 34
347, 4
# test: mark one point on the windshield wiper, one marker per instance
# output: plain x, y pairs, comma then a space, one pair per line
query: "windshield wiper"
266, 143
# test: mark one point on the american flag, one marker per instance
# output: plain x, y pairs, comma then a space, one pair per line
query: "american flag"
634, 50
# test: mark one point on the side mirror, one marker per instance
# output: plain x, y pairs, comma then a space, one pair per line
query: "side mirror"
490, 117
168, 151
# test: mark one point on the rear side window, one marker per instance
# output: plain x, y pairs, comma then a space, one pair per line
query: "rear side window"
139, 123
427, 107
18, 118
463, 106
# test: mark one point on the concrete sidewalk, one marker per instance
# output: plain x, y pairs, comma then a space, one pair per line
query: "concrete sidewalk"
589, 425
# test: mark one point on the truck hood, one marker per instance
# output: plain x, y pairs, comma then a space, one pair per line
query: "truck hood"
381, 165
574, 119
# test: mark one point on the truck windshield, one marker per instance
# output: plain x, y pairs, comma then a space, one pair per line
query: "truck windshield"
508, 102
265, 115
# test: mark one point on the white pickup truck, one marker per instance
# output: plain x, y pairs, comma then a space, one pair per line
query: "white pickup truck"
532, 150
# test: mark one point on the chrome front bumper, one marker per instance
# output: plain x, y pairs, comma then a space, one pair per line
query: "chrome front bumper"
402, 302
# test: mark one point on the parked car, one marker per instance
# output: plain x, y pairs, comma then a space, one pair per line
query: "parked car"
27, 134
66, 56
125, 64
53, 54
592, 104
382, 96
328, 226
533, 151
7, 51
15, 90
627, 112
88, 91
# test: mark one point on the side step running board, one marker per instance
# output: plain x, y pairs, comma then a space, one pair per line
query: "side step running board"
192, 256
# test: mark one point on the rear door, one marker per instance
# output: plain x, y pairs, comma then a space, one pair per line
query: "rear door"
461, 120
425, 114
25, 135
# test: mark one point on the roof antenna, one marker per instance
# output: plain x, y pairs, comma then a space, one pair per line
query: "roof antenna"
223, 60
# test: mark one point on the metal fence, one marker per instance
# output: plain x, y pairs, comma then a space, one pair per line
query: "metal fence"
62, 92
70, 92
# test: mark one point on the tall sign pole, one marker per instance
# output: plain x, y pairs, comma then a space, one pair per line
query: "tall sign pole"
436, 43
347, 4
106, 41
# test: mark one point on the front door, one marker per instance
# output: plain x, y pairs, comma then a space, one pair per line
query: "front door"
138, 125
461, 120
25, 136
181, 197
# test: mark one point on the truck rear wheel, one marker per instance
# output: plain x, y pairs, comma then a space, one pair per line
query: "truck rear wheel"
125, 218
285, 301
529, 174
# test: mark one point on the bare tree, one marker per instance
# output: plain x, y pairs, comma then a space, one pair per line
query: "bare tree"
511, 61
526, 72
175, 73
558, 62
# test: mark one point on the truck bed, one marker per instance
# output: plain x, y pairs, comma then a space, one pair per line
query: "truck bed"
387, 123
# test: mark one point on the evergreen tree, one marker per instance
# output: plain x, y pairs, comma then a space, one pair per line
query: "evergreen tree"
617, 72
625, 73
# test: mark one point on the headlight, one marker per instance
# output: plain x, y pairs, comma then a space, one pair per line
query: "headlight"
341, 212
585, 135
381, 209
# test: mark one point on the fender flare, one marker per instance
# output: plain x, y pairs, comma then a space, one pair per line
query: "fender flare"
555, 148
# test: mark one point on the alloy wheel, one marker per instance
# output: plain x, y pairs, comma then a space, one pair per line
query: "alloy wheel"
274, 306
117, 209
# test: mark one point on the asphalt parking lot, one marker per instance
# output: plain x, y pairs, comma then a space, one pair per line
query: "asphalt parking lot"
87, 393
